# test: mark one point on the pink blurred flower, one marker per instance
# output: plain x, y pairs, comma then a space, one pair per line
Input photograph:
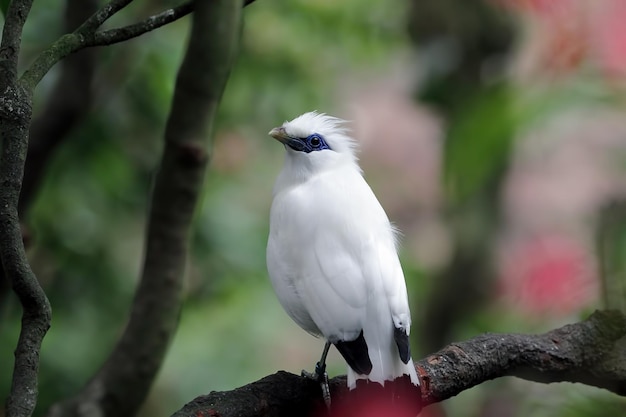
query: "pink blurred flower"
608, 29
549, 273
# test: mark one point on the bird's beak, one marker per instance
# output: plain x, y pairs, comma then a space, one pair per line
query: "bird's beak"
279, 134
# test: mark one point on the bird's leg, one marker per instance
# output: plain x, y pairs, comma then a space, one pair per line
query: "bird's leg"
320, 370
320, 375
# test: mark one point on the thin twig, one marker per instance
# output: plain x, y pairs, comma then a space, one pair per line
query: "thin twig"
111, 36
98, 18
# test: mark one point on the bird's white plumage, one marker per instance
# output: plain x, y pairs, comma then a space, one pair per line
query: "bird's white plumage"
331, 251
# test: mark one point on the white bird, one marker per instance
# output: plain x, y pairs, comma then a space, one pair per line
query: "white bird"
331, 253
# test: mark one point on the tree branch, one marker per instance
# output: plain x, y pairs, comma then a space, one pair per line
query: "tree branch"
591, 352
15, 18
111, 36
120, 386
578, 352
102, 15
15, 115
87, 36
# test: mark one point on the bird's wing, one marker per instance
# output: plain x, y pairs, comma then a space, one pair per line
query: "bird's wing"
334, 289
387, 264
354, 260
382, 266
357, 297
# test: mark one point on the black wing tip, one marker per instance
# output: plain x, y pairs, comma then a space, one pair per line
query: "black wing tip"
402, 341
356, 354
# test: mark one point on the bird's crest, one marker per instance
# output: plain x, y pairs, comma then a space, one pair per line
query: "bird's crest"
333, 130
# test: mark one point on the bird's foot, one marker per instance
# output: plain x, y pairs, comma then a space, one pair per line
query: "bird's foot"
321, 377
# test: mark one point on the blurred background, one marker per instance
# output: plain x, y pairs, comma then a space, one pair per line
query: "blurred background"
493, 133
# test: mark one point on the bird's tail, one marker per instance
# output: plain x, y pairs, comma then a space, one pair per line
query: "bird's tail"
399, 369
381, 360
381, 352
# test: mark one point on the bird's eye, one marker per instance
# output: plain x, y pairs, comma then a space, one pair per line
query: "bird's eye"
315, 141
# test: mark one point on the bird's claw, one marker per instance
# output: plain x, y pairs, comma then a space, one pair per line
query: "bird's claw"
321, 377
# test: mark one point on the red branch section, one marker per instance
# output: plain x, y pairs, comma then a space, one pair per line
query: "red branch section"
588, 352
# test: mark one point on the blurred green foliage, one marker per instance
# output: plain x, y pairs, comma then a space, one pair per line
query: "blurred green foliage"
3, 6
477, 151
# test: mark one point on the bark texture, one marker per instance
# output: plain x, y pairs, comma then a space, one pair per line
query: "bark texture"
15, 115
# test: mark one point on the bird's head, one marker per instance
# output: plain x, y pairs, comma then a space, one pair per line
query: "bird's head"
316, 141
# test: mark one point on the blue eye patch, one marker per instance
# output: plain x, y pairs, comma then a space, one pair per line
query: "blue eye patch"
314, 142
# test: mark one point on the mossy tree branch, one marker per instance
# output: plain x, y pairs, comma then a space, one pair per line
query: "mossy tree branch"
87, 35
